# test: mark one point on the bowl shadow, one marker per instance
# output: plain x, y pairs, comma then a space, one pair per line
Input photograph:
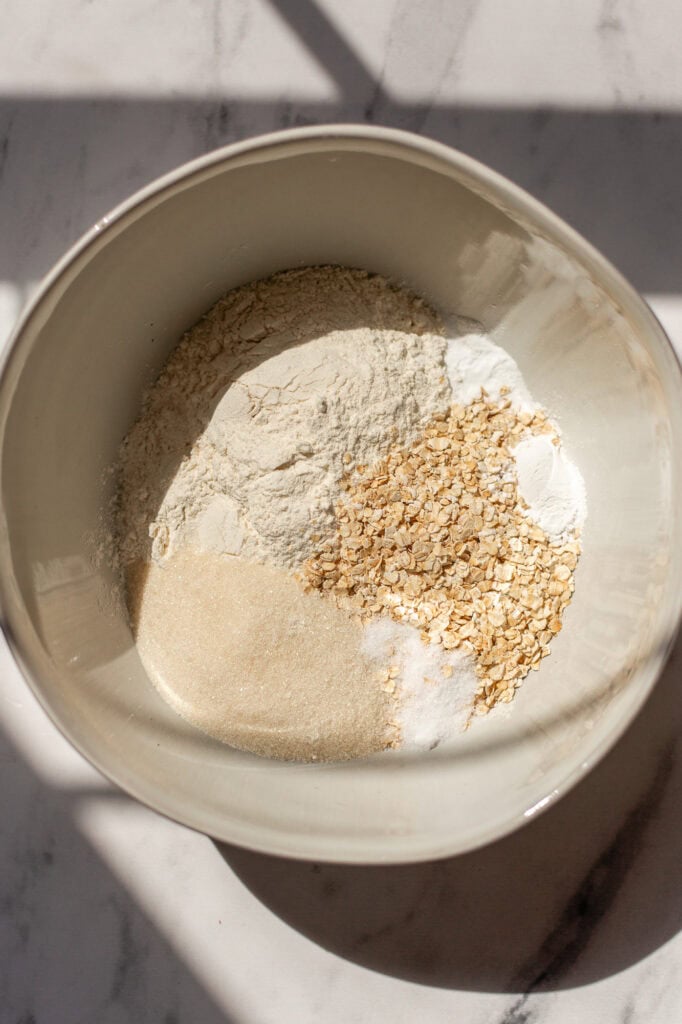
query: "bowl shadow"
580, 893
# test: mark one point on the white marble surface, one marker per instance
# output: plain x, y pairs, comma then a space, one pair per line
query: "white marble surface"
109, 914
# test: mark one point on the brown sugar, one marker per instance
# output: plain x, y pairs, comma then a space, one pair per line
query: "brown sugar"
241, 652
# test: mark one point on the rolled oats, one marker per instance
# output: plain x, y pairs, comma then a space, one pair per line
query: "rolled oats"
436, 535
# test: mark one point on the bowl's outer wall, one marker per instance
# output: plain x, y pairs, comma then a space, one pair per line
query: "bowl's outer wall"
479, 250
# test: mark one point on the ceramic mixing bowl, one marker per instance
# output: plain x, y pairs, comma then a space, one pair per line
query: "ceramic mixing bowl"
476, 247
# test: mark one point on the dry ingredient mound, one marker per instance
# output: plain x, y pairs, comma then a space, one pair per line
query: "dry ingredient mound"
318, 428
279, 389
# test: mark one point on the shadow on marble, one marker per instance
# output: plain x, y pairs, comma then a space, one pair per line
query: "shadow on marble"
614, 176
74, 944
579, 894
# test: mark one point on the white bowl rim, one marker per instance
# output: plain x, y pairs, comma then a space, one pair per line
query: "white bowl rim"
516, 199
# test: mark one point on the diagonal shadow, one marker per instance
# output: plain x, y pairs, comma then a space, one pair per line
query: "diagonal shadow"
504, 918
329, 48
75, 947
614, 176
581, 893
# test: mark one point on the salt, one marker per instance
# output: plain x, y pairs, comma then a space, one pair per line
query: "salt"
435, 688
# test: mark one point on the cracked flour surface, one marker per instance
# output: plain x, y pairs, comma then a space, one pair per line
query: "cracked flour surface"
281, 388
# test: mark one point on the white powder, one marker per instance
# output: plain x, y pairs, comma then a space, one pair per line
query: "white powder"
551, 485
548, 481
474, 362
282, 387
435, 688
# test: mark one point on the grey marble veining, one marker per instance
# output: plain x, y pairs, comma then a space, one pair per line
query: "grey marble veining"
593, 168
568, 901
109, 914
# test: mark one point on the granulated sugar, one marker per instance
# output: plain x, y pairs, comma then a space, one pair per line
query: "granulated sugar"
239, 650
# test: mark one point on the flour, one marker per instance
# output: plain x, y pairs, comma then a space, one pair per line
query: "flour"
551, 485
283, 386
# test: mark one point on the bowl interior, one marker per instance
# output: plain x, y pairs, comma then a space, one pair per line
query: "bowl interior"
475, 248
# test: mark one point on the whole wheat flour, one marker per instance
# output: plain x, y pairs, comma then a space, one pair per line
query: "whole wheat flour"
283, 386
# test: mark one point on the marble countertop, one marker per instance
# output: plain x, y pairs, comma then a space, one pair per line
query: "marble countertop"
110, 914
